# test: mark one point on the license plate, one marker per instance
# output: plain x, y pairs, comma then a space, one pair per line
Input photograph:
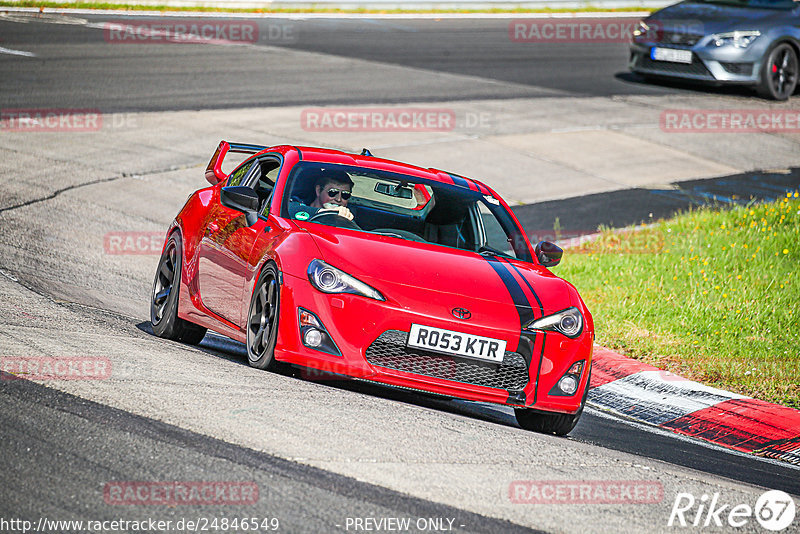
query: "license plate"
456, 343
671, 54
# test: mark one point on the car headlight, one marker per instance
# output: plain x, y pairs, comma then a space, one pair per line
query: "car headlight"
568, 322
739, 39
329, 279
641, 29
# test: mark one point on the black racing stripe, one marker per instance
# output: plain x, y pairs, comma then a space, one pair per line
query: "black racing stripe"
544, 335
473, 185
458, 180
539, 369
527, 283
526, 342
299, 154
482, 188
521, 302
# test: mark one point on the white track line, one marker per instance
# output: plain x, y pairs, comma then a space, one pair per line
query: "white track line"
16, 52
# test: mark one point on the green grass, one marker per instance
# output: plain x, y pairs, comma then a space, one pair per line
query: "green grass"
137, 7
711, 294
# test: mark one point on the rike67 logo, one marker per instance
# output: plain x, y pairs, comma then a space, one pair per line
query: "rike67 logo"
774, 511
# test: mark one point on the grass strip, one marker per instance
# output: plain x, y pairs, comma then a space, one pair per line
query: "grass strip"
711, 294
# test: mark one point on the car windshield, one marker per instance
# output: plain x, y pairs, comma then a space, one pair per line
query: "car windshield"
404, 207
757, 4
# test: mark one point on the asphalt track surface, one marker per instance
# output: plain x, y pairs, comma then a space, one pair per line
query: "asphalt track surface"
59, 449
86, 69
82, 445
618, 209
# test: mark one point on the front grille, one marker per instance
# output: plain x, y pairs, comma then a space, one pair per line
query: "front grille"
738, 68
696, 67
679, 38
390, 351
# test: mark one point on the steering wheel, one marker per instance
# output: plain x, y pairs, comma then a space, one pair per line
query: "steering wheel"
332, 218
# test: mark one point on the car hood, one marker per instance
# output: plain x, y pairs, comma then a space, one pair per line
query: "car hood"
706, 18
405, 271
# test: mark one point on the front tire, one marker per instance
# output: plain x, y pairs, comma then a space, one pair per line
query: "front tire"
778, 77
262, 321
164, 298
559, 424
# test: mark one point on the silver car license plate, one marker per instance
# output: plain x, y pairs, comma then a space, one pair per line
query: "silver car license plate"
671, 54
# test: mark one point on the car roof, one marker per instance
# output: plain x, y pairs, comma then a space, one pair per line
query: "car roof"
327, 155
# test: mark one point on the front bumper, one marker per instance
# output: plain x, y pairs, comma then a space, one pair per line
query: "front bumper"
720, 66
372, 336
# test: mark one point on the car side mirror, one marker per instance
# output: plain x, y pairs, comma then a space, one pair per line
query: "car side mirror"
549, 254
241, 198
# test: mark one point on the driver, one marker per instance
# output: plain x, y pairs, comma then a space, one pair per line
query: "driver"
331, 193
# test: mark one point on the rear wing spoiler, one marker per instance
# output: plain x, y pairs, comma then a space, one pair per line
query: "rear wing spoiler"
214, 173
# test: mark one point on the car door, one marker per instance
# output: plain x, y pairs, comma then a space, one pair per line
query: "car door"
224, 249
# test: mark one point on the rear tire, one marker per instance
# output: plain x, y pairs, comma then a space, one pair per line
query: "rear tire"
164, 298
559, 424
779, 71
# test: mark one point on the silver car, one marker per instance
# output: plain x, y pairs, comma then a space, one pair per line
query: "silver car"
745, 42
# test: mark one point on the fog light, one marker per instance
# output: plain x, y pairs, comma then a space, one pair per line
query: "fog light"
568, 384
313, 333
313, 337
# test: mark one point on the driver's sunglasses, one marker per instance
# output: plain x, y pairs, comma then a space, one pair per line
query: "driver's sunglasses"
345, 194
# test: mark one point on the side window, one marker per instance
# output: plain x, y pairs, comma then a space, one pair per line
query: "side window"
467, 235
270, 168
496, 236
253, 174
238, 175
260, 174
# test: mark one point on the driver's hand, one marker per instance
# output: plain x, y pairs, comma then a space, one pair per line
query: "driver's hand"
341, 211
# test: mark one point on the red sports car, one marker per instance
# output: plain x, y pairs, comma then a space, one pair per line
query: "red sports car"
377, 270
